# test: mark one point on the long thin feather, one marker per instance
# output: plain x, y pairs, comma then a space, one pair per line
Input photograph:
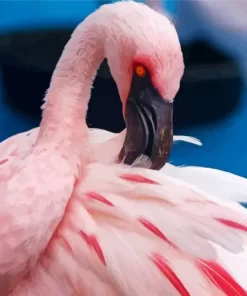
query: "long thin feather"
223, 185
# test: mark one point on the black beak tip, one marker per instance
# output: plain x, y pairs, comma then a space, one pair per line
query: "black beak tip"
149, 136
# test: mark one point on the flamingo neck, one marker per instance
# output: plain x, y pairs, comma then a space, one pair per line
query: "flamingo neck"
66, 102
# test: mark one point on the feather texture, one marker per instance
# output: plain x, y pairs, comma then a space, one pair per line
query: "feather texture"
134, 232
218, 183
73, 222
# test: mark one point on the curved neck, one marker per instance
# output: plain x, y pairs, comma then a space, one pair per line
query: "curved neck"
66, 101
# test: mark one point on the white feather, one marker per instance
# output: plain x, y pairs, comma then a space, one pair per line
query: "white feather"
187, 139
223, 185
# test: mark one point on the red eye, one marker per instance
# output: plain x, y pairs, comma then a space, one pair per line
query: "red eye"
140, 70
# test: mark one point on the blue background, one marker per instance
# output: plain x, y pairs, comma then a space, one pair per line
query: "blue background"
224, 143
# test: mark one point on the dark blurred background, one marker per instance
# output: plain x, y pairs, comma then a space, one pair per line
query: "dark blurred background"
211, 104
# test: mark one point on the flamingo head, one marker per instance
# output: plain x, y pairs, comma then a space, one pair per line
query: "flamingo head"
145, 59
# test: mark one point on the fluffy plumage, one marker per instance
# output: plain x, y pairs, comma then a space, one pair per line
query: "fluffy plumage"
75, 223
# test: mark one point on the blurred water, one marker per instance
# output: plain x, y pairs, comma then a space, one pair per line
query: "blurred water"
224, 143
43, 13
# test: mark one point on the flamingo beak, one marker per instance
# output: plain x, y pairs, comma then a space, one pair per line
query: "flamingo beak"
149, 123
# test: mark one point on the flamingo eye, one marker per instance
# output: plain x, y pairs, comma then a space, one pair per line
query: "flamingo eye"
140, 70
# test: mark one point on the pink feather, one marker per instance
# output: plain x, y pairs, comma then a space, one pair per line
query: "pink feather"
75, 223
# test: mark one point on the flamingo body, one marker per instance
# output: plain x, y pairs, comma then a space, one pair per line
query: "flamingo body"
100, 226
73, 222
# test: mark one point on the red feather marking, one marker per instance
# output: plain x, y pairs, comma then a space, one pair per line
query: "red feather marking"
98, 197
166, 270
93, 243
221, 278
3, 161
151, 227
137, 179
232, 224
85, 237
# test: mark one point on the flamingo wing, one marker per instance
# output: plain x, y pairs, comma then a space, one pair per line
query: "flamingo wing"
223, 185
131, 231
142, 226
35, 186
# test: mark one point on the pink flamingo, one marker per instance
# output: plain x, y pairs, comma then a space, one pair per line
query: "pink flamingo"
73, 223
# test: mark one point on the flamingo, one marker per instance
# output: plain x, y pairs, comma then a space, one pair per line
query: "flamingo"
73, 223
